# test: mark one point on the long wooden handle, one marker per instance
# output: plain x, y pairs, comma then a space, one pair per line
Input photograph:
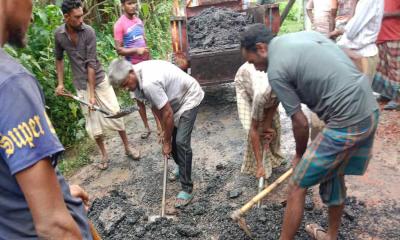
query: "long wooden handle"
93, 231
261, 195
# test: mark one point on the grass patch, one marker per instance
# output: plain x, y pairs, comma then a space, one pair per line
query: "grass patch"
76, 157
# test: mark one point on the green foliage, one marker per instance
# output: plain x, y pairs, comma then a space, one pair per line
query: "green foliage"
38, 58
294, 20
156, 16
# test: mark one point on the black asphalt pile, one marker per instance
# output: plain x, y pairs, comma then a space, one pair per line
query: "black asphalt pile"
116, 217
216, 28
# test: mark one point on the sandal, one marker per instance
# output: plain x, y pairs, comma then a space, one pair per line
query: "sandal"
313, 229
145, 135
134, 155
392, 105
103, 165
183, 199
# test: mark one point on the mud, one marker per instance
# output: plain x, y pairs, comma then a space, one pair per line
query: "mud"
129, 190
216, 28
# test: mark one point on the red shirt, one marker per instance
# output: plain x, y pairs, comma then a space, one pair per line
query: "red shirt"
390, 29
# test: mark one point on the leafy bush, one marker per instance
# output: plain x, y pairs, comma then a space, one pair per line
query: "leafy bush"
38, 58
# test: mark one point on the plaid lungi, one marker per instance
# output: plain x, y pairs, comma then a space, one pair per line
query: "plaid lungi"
254, 95
387, 78
333, 154
271, 158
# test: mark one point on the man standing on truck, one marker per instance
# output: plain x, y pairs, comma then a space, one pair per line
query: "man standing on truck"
89, 79
257, 108
175, 97
308, 68
36, 202
130, 42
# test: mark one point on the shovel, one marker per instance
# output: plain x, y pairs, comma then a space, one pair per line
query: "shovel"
119, 114
164, 193
237, 215
260, 188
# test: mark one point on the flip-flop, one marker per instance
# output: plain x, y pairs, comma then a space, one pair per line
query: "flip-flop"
183, 199
145, 135
312, 230
392, 105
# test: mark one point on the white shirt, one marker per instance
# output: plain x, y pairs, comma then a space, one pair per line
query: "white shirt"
319, 6
161, 82
363, 28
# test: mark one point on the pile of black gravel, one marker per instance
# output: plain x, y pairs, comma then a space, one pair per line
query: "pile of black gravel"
117, 218
216, 28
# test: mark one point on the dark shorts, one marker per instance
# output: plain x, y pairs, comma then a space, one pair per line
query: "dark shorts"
333, 154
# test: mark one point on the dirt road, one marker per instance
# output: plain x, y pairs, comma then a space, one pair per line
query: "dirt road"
129, 191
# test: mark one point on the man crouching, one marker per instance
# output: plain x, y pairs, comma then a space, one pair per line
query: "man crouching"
175, 98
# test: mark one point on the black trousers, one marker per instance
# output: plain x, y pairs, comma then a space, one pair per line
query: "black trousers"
182, 149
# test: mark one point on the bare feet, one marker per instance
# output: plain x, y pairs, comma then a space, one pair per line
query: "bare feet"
316, 232
133, 154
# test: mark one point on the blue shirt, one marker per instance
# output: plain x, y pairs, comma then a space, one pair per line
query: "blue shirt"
26, 137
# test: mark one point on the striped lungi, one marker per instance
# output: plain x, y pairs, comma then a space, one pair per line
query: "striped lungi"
333, 154
387, 77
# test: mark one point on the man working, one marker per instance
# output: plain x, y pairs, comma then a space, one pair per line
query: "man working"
308, 68
361, 32
36, 202
130, 42
257, 107
387, 78
175, 98
89, 79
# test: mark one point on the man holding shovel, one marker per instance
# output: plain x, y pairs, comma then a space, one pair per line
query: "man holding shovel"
175, 98
89, 79
306, 67
35, 200
257, 107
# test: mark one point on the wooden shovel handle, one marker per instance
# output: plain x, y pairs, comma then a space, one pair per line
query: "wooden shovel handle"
93, 231
238, 213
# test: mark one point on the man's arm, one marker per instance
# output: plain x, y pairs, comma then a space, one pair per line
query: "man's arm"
166, 115
59, 55
45, 200
92, 84
301, 134
334, 9
121, 50
255, 143
91, 61
60, 76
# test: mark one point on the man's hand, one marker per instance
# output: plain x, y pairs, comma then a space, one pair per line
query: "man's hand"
92, 102
167, 148
78, 192
141, 51
296, 159
260, 171
335, 33
60, 90
268, 135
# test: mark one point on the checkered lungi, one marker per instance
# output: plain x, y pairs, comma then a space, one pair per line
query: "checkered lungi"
333, 154
387, 78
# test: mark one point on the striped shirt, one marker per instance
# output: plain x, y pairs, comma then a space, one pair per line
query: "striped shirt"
361, 32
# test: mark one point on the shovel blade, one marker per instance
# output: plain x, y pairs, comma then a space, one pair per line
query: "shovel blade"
123, 112
155, 217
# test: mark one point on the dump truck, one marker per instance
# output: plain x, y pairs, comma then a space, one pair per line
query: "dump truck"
215, 66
